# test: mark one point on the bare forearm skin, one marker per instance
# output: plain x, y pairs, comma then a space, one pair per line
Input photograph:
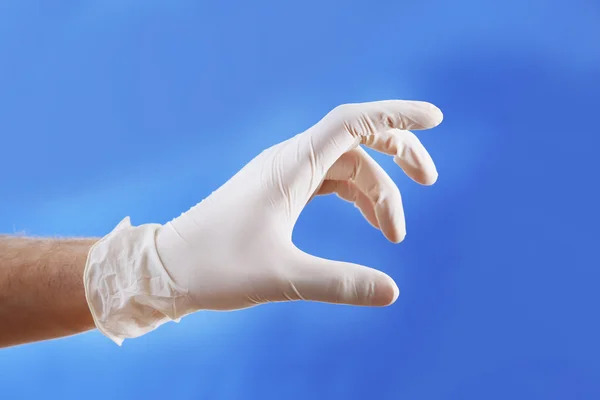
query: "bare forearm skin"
41, 289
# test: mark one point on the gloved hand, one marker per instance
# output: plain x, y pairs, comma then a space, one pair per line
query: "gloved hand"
234, 250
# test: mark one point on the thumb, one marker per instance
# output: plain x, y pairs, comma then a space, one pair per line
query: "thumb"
348, 125
318, 279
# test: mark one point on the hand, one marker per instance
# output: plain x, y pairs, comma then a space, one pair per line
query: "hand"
234, 249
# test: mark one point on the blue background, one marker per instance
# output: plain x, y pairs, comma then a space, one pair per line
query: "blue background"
118, 107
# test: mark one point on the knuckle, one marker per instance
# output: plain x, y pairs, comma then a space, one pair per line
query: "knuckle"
387, 120
344, 108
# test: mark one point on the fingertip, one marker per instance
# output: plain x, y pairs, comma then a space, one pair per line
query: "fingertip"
437, 116
396, 293
430, 179
388, 293
420, 169
399, 238
393, 226
396, 235
430, 116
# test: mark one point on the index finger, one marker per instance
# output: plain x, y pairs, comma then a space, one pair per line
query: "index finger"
347, 125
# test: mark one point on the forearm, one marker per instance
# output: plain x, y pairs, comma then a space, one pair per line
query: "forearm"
41, 289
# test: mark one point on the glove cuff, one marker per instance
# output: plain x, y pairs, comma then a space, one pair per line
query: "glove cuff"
127, 289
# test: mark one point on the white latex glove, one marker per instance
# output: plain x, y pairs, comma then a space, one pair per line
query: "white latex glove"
234, 250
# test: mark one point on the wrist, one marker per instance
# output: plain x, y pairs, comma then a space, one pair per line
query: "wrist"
128, 290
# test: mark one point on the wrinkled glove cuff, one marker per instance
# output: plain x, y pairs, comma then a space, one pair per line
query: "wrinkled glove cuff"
127, 289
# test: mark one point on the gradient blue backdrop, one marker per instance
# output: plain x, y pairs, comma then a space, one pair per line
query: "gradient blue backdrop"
111, 108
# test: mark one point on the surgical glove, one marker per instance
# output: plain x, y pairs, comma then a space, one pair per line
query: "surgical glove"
234, 249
